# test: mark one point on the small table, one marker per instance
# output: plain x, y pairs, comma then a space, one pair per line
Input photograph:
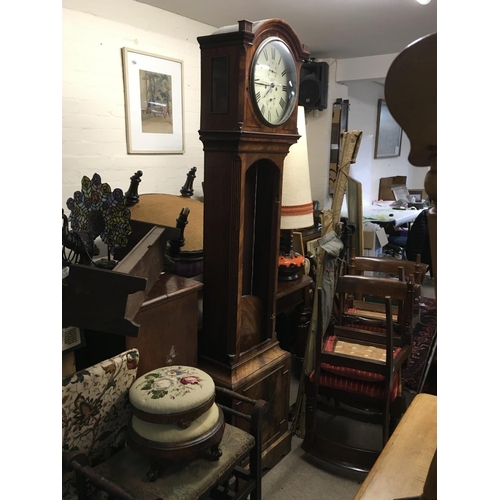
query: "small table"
295, 295
387, 215
290, 294
187, 480
401, 469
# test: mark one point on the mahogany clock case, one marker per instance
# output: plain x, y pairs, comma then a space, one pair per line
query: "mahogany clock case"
243, 172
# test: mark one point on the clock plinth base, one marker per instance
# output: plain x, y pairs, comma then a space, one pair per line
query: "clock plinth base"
265, 376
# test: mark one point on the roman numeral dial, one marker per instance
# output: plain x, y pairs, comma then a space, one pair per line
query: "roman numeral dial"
273, 81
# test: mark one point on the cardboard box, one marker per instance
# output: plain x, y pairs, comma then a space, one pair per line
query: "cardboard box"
385, 185
374, 242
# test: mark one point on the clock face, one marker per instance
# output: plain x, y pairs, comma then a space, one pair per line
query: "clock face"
273, 81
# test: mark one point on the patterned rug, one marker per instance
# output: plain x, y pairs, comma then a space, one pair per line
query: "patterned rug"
422, 335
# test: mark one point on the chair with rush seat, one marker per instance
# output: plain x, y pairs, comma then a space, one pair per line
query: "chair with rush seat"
360, 304
359, 376
361, 265
389, 268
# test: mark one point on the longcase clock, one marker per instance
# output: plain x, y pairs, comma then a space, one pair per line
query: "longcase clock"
249, 80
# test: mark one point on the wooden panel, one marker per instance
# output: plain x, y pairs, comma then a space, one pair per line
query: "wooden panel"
384, 190
266, 376
355, 213
145, 261
402, 467
169, 324
68, 364
108, 301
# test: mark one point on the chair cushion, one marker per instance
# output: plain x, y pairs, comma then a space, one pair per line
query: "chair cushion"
358, 351
368, 314
95, 406
172, 390
354, 386
369, 328
172, 433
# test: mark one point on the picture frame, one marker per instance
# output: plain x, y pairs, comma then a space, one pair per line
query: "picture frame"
154, 105
313, 247
72, 338
388, 135
419, 194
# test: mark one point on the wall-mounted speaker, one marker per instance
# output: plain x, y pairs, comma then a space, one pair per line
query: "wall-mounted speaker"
313, 90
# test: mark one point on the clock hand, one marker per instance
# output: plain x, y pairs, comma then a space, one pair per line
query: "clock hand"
269, 89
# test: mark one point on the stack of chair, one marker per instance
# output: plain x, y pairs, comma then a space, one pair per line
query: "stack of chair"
362, 265
400, 269
358, 369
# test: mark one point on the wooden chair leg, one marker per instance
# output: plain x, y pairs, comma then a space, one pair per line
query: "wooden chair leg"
428, 362
310, 416
386, 423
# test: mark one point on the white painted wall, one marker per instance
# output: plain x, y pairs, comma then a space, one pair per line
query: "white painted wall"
364, 68
357, 82
363, 98
93, 110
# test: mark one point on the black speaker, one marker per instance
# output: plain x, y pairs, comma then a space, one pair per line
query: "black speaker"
313, 90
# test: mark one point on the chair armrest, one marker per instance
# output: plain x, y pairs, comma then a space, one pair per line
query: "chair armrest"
78, 462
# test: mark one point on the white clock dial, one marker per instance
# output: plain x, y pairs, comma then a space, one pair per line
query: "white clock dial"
274, 81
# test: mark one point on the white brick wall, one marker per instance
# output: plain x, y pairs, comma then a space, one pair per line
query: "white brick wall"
93, 108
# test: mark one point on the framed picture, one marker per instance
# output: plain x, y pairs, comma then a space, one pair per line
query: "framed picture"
313, 248
419, 194
72, 338
389, 133
153, 103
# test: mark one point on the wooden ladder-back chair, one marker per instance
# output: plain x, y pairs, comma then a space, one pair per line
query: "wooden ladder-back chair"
400, 269
359, 305
361, 375
362, 265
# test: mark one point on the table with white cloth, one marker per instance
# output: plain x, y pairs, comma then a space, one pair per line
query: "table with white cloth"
385, 215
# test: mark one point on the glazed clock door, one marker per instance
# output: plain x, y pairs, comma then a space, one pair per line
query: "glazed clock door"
274, 81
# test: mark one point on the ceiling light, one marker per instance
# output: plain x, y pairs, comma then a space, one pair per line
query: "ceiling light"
424, 2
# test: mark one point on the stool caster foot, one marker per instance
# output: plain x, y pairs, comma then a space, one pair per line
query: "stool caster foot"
153, 473
214, 453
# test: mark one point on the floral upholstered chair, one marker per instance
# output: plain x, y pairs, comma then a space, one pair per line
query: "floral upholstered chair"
96, 410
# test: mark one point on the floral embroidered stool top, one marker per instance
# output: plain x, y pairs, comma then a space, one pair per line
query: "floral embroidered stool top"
171, 406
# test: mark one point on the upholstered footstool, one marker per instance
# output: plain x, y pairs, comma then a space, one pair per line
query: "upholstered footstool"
174, 416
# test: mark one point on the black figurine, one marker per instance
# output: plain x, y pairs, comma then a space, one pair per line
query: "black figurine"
187, 190
175, 245
131, 196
